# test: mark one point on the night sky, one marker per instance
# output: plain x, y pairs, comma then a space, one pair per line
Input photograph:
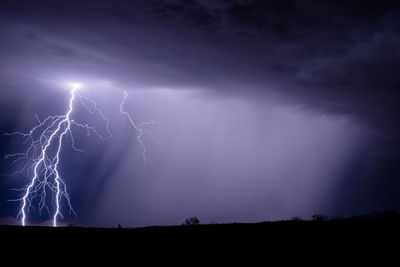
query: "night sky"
265, 110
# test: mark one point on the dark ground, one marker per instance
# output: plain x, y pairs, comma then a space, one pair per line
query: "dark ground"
325, 241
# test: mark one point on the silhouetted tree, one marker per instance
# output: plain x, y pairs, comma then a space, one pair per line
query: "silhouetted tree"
192, 221
338, 217
319, 218
297, 219
73, 225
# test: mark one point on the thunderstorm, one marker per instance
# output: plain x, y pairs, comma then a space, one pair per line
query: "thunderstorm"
42, 157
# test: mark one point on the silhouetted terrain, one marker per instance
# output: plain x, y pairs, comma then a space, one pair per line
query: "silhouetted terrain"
367, 234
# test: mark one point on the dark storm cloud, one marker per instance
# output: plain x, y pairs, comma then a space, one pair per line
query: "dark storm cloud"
340, 57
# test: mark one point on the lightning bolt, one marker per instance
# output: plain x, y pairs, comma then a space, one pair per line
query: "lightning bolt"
141, 129
45, 141
44, 146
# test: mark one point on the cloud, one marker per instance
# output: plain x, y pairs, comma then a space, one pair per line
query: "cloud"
325, 56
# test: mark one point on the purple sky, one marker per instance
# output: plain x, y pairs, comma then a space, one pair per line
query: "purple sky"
266, 110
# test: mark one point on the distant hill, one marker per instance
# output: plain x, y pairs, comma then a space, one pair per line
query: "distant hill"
13, 221
378, 216
374, 216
